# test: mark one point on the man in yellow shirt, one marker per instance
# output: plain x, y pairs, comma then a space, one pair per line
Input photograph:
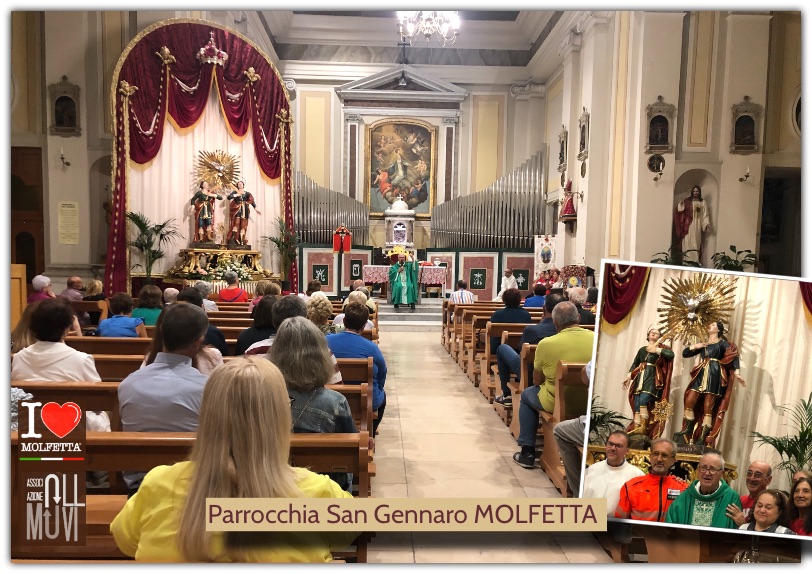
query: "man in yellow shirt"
572, 344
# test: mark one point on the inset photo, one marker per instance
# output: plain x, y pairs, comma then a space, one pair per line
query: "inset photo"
701, 406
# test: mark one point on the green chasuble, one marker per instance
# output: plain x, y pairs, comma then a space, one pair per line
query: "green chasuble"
403, 282
696, 509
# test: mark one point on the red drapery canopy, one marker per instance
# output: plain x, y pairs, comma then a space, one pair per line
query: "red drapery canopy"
806, 295
622, 287
167, 72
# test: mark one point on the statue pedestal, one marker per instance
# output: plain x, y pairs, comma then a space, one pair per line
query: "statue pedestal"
194, 258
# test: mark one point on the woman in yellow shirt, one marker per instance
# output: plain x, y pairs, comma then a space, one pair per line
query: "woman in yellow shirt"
242, 450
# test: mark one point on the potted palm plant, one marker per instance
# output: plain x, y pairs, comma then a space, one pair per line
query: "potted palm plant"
795, 450
287, 243
151, 239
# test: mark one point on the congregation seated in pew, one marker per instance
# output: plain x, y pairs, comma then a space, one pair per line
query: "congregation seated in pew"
50, 359
262, 327
242, 449
301, 354
166, 394
122, 323
351, 344
572, 343
214, 336
508, 360
149, 305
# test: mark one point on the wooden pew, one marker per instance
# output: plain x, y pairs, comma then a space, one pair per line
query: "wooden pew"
570, 403
100, 307
225, 322
123, 451
527, 356
471, 343
514, 340
115, 368
489, 382
91, 396
104, 397
359, 371
228, 314
110, 345
456, 325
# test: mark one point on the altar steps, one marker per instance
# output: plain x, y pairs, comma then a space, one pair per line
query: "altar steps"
427, 316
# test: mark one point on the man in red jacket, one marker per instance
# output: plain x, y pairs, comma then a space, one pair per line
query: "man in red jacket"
648, 497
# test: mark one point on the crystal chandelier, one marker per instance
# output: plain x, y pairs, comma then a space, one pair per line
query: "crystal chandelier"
445, 25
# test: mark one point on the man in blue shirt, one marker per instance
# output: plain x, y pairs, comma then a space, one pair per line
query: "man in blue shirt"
537, 300
351, 344
165, 396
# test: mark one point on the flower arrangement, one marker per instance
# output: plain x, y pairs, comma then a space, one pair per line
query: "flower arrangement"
226, 262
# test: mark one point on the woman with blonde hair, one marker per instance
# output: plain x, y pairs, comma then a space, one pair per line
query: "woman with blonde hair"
320, 310
241, 451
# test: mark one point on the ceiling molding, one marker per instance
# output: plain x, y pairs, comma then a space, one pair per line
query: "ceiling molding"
324, 72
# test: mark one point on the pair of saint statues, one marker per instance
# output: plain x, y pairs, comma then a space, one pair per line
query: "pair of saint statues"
240, 202
707, 396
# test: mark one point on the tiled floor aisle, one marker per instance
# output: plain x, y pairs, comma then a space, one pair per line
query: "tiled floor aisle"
440, 438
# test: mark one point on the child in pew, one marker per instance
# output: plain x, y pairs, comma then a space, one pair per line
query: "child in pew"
300, 352
242, 450
122, 324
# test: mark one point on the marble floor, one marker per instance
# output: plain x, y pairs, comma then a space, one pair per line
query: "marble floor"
440, 438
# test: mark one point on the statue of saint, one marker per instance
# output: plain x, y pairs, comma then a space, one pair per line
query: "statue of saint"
203, 202
239, 211
691, 220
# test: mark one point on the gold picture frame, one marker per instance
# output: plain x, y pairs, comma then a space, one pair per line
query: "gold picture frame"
400, 161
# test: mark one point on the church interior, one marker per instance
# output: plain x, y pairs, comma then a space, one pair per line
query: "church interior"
525, 140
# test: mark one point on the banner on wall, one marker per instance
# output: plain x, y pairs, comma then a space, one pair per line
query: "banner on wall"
544, 254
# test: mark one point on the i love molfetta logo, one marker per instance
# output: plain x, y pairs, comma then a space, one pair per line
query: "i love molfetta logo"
55, 432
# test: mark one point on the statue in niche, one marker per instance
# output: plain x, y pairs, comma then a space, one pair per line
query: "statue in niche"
658, 131
691, 220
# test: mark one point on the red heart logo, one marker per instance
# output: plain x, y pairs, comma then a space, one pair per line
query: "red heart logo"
61, 419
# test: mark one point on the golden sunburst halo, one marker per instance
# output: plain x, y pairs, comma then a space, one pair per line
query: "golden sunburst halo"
692, 304
218, 168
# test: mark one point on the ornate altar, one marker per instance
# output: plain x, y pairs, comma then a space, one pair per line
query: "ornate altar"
202, 263
684, 468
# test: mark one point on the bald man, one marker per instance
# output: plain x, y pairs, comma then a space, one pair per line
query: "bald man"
759, 477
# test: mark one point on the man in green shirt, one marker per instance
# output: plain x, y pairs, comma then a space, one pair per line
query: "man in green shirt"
572, 344
705, 502
403, 281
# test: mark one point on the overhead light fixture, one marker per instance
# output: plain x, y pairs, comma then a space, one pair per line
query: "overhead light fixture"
444, 24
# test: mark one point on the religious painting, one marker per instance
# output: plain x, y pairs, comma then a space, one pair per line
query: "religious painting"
321, 274
401, 158
522, 278
356, 269
477, 278
689, 356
